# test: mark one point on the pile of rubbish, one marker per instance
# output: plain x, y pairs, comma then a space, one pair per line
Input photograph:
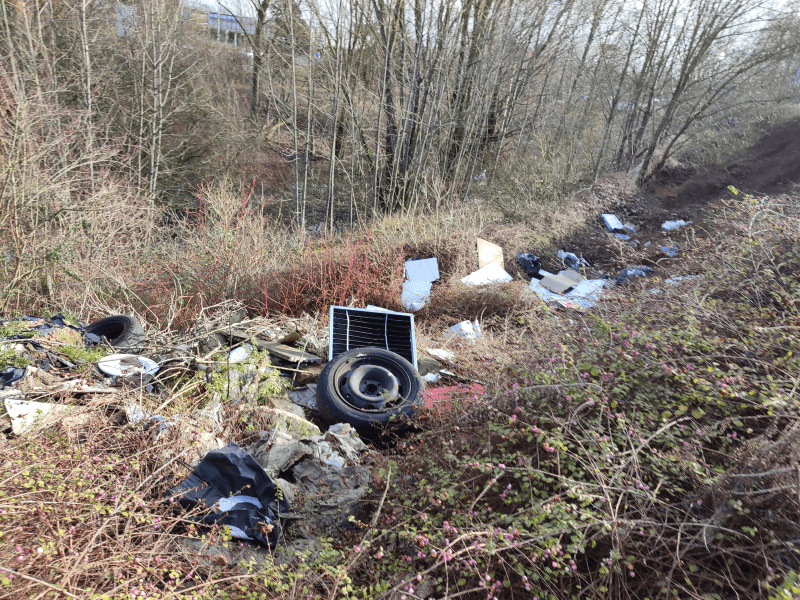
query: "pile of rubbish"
322, 391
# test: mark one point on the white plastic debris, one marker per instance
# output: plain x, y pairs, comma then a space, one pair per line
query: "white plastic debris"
416, 294
422, 270
673, 225
26, 415
466, 329
612, 222
492, 273
127, 364
629, 228
239, 354
431, 377
442, 354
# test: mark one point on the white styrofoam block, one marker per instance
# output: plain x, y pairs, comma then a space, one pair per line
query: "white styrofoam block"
492, 273
612, 222
422, 270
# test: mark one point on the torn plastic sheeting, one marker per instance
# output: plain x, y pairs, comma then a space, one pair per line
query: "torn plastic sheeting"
227, 472
530, 263
416, 294
11, 375
422, 270
673, 225
622, 236
572, 260
489, 274
431, 377
612, 222
670, 250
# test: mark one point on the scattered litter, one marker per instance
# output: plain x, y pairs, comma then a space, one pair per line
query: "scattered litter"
670, 250
632, 273
442, 354
571, 260
679, 279
622, 236
489, 253
492, 273
465, 329
673, 225
416, 294
530, 263
584, 294
431, 377
213, 483
629, 228
647, 244
612, 222
117, 365
352, 328
305, 396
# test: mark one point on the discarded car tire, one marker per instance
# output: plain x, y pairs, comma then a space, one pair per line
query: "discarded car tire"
120, 331
368, 388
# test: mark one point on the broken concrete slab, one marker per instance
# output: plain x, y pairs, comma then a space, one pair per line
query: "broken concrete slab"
489, 253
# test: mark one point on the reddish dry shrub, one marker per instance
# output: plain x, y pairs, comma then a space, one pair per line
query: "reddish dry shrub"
354, 271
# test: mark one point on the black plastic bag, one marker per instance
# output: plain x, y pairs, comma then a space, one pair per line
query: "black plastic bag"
233, 484
531, 264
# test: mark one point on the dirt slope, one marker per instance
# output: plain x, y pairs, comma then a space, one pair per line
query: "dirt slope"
770, 166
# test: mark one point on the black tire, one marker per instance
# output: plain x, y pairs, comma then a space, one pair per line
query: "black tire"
121, 331
358, 387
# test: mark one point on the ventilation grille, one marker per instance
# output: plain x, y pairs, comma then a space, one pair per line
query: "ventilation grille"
353, 328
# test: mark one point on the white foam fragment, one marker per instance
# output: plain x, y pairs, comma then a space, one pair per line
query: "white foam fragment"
489, 274
673, 225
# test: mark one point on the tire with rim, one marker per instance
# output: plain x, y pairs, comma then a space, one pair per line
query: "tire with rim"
368, 388
121, 331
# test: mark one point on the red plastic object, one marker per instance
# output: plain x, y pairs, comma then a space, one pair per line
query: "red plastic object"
441, 398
